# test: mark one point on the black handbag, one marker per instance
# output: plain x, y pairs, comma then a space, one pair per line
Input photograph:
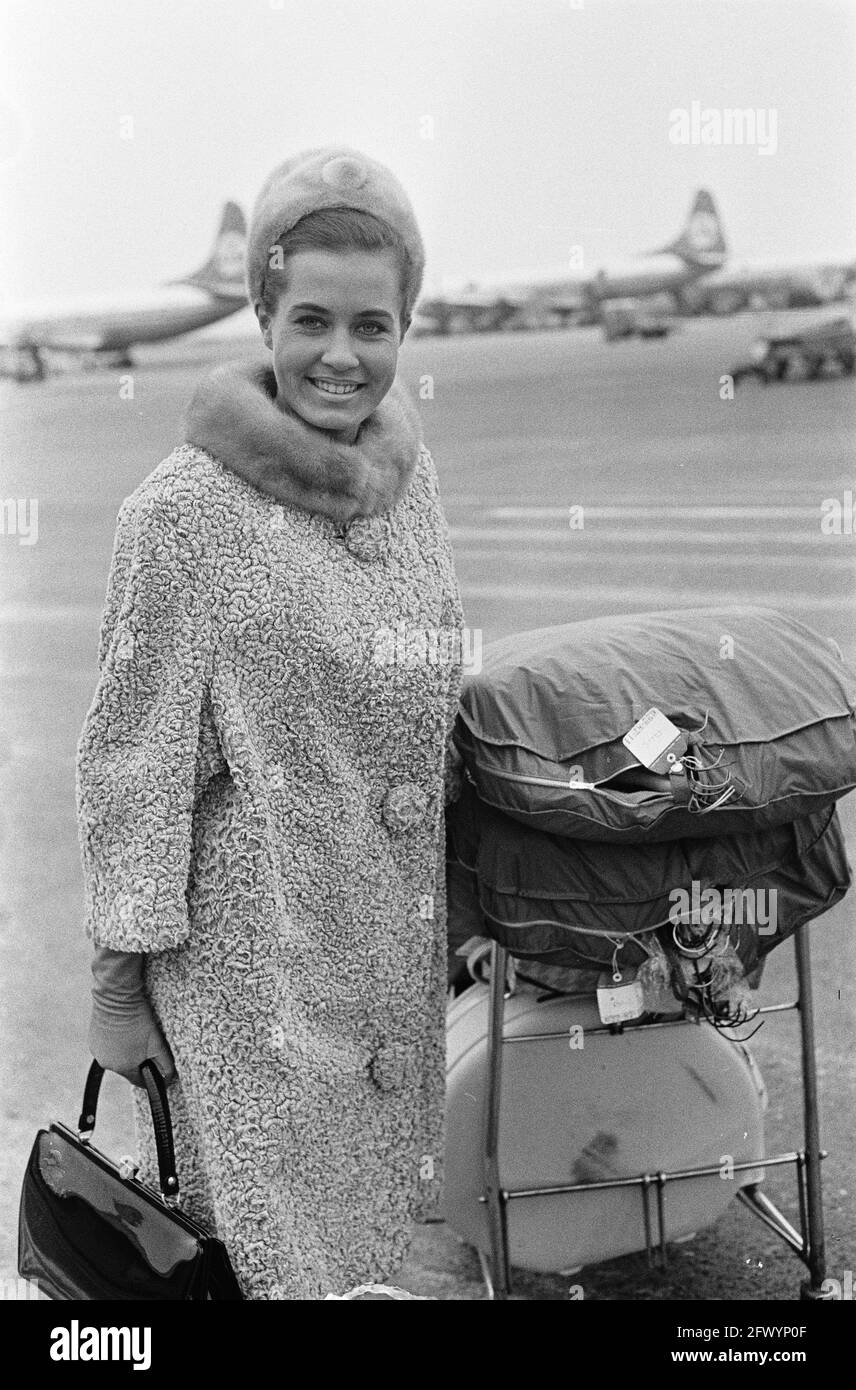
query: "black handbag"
86, 1230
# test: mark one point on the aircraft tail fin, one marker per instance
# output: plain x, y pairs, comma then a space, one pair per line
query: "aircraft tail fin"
702, 240
223, 273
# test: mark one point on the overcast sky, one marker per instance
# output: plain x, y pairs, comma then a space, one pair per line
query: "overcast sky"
521, 128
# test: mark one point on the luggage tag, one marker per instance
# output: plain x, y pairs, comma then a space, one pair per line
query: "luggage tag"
657, 743
617, 1001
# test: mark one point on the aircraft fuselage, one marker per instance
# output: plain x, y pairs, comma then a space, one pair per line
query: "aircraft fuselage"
642, 276
116, 323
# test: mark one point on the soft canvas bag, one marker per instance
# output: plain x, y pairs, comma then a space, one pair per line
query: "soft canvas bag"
570, 903
768, 708
88, 1231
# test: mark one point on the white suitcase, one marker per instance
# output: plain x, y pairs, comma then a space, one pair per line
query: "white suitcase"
646, 1101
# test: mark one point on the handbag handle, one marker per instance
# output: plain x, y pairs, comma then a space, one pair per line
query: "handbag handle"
161, 1121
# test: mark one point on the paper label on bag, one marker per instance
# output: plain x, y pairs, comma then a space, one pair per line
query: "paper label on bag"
619, 1003
652, 738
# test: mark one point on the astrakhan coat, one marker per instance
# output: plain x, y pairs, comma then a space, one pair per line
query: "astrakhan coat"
261, 809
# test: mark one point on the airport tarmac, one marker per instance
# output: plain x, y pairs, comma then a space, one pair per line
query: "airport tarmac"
578, 478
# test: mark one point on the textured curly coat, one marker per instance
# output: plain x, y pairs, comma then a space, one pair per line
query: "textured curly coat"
261, 808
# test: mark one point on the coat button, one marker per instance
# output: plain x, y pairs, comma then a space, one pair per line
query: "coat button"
125, 646
367, 537
404, 806
391, 1066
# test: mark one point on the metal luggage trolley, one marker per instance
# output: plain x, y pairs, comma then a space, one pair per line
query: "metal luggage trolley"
624, 1143
807, 1243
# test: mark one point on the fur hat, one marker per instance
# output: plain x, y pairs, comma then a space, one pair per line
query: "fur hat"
331, 177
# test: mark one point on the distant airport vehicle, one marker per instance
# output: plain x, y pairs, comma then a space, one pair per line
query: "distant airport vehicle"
692, 270
632, 318
822, 349
108, 327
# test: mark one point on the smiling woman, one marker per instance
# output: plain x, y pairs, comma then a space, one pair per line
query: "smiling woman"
334, 333
261, 801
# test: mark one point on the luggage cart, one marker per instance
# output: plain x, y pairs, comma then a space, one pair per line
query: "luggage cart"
807, 1243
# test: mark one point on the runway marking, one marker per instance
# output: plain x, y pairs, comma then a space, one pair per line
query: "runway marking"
658, 596
629, 509
469, 557
523, 443
49, 613
614, 535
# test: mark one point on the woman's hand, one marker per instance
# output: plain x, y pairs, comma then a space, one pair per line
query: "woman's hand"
123, 1030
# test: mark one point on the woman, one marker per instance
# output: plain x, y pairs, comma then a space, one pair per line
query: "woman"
262, 772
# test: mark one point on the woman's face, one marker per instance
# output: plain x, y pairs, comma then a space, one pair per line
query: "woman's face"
334, 336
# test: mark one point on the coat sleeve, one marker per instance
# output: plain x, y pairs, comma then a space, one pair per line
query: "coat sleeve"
137, 753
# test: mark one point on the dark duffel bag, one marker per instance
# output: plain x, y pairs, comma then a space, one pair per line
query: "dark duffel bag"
764, 710
571, 903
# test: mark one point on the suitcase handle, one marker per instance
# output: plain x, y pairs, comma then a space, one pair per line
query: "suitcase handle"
161, 1121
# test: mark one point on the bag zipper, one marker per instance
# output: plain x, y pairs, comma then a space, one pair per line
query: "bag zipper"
568, 785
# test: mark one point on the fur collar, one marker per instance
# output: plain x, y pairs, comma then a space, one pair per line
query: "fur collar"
233, 416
